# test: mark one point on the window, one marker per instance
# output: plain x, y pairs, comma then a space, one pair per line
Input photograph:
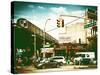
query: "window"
87, 55
83, 55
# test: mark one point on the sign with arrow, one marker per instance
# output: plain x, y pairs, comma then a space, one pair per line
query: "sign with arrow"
90, 24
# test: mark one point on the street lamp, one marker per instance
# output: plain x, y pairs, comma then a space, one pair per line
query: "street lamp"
45, 29
44, 35
34, 44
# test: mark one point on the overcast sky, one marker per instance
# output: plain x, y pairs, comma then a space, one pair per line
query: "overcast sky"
38, 13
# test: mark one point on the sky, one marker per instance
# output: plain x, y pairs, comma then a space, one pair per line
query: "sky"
38, 13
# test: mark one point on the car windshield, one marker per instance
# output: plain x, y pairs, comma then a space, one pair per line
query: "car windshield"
79, 55
58, 58
43, 60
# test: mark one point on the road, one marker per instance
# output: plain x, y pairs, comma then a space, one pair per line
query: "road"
32, 69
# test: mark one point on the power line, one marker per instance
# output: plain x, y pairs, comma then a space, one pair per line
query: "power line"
72, 16
66, 24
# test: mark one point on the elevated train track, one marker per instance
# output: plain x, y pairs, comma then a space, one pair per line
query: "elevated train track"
24, 30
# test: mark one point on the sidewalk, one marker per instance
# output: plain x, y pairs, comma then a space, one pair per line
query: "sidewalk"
85, 66
25, 69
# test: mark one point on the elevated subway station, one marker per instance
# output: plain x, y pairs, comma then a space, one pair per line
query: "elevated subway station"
23, 34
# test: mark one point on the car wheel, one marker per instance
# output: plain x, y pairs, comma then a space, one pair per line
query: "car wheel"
43, 67
61, 63
76, 63
57, 65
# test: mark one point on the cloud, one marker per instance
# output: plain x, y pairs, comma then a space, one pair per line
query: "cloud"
31, 6
41, 7
59, 10
64, 11
78, 13
14, 16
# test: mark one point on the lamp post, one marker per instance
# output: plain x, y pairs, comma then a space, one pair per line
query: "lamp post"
34, 44
44, 35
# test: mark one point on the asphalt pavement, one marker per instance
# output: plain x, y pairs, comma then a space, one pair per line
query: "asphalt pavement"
32, 69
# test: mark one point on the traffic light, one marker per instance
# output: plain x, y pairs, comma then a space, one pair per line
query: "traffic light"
58, 23
62, 22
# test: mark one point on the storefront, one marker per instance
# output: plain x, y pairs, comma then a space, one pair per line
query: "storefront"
47, 52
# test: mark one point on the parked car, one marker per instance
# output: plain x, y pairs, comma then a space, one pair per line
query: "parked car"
47, 63
84, 58
59, 59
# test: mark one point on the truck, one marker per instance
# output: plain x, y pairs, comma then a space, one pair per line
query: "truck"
84, 58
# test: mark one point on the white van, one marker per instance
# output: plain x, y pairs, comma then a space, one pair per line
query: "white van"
84, 57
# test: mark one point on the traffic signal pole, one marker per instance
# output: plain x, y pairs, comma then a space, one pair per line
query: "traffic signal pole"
67, 23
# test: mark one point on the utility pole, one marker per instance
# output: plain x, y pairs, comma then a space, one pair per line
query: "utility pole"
44, 36
34, 44
85, 22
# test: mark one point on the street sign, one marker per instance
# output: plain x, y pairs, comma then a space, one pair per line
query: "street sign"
90, 24
48, 45
92, 14
48, 50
